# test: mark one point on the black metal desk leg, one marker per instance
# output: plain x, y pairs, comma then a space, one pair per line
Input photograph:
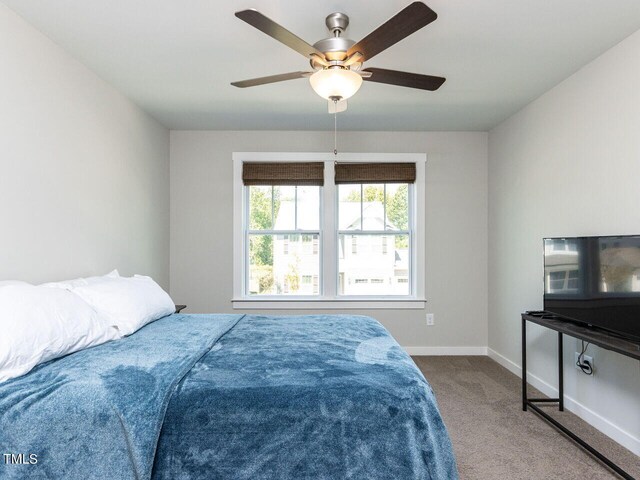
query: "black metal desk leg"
560, 374
524, 365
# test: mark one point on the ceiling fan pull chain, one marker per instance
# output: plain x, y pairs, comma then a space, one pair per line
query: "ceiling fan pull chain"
335, 126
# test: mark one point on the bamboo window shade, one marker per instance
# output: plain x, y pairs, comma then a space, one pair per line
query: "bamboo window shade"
375, 173
283, 173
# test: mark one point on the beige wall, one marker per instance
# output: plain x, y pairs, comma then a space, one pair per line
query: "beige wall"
456, 223
84, 173
568, 164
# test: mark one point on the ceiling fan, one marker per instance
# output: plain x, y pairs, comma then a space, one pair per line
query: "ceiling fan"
337, 61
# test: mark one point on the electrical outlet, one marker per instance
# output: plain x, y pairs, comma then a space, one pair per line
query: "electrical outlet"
585, 358
430, 319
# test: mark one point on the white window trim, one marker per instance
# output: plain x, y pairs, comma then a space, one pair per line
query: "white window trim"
329, 299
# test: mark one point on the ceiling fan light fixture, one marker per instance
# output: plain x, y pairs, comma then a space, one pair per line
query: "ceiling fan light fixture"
335, 82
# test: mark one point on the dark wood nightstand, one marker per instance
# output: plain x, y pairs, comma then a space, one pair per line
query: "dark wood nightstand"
179, 308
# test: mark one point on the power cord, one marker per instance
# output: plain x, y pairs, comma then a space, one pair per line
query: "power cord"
582, 364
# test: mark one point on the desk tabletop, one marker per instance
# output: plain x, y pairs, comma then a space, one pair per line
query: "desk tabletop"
592, 335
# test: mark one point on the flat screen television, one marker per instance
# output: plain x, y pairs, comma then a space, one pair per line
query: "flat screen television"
595, 281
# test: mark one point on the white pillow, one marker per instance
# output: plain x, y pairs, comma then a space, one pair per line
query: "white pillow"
78, 282
127, 303
40, 324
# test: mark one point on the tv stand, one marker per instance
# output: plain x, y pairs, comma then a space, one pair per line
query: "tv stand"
597, 337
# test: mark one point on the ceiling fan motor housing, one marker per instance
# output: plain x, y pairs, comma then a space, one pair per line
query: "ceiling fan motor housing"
337, 23
335, 48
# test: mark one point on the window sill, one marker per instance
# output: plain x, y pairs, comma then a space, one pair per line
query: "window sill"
329, 304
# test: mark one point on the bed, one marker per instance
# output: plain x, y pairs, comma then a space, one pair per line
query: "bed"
228, 397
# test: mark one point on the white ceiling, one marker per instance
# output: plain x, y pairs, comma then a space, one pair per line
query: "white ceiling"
176, 58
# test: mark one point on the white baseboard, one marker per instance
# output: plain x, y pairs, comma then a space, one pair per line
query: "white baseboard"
613, 431
446, 350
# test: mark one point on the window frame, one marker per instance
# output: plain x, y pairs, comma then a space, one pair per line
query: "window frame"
328, 237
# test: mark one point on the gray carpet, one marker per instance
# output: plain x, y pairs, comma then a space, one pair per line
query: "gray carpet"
494, 439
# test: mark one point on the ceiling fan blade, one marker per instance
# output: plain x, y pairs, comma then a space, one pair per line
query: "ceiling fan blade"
271, 28
404, 79
403, 24
355, 58
319, 59
271, 79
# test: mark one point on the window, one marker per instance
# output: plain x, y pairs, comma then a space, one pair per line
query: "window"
350, 234
564, 281
564, 245
557, 281
283, 226
572, 281
376, 219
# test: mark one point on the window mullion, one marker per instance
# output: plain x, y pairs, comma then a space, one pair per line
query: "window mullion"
389, 233
416, 285
361, 207
247, 225
329, 227
283, 232
384, 207
273, 218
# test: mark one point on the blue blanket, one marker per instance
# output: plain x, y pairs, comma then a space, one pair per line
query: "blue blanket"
225, 397
97, 414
